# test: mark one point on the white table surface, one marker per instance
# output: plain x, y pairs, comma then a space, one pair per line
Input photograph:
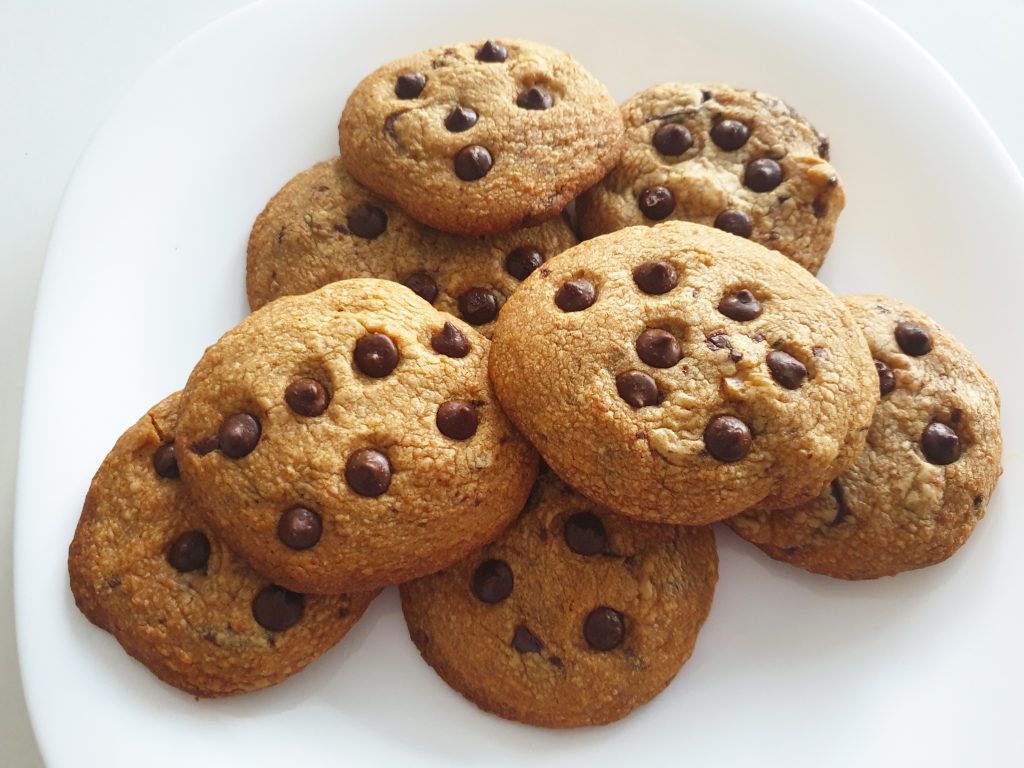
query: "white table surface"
64, 64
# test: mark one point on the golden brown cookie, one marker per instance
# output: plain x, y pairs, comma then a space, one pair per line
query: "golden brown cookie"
349, 438
931, 462
481, 139
679, 374
574, 616
145, 567
739, 160
323, 226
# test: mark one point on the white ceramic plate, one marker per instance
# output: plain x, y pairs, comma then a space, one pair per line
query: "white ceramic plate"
146, 267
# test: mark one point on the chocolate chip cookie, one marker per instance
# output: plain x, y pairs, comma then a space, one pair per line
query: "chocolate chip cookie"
679, 374
323, 226
931, 462
739, 160
481, 139
145, 567
349, 438
574, 616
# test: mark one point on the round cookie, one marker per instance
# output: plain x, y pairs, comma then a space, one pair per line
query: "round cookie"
349, 438
573, 617
323, 226
679, 374
739, 160
482, 138
145, 567
932, 458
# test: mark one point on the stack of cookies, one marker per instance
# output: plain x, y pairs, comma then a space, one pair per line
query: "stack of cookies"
441, 388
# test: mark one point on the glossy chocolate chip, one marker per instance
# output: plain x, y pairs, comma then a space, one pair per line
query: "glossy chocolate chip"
423, 285
740, 306
727, 438
637, 388
367, 221
786, 369
409, 85
460, 119
457, 419
307, 397
735, 222
525, 641
575, 295
478, 306
521, 262
189, 552
656, 277
165, 462
376, 355
238, 435
604, 629
276, 608
299, 528
656, 203
472, 162
534, 98
763, 175
913, 339
940, 444
730, 135
658, 348
368, 472
492, 52
493, 581
450, 341
672, 139
585, 535
886, 378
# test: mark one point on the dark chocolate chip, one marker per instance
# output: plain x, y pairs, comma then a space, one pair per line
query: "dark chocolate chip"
940, 444
521, 262
575, 295
913, 339
472, 162
307, 397
276, 608
658, 348
205, 446
656, 277
886, 378
719, 340
585, 535
478, 306
457, 419
656, 203
492, 52
450, 341
238, 436
165, 462
672, 139
534, 98
730, 135
604, 629
842, 510
727, 438
786, 369
493, 581
376, 355
367, 221
763, 175
525, 641
823, 148
706, 96
423, 285
637, 388
299, 528
740, 306
735, 222
368, 472
409, 85
189, 552
820, 208
460, 119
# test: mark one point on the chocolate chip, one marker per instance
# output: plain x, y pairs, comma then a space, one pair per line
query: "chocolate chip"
492, 52
376, 355
820, 208
913, 339
735, 222
575, 296
637, 388
457, 419
727, 438
786, 369
307, 397
842, 511
886, 378
478, 306
604, 629
299, 528
189, 552
740, 306
450, 341
940, 444
525, 641
472, 162
493, 581
165, 462
719, 340
534, 98
672, 139
205, 446
368, 472
706, 96
276, 608
823, 148
409, 85
763, 175
656, 277
521, 262
730, 135
367, 221
658, 348
585, 535
460, 119
238, 436
656, 203
423, 285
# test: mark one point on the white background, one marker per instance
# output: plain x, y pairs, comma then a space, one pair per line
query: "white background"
64, 64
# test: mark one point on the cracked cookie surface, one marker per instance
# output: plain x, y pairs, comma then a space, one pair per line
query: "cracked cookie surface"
573, 617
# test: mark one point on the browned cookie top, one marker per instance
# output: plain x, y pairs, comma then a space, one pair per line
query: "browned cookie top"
739, 160
349, 438
931, 462
146, 567
481, 138
679, 374
574, 616
323, 226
